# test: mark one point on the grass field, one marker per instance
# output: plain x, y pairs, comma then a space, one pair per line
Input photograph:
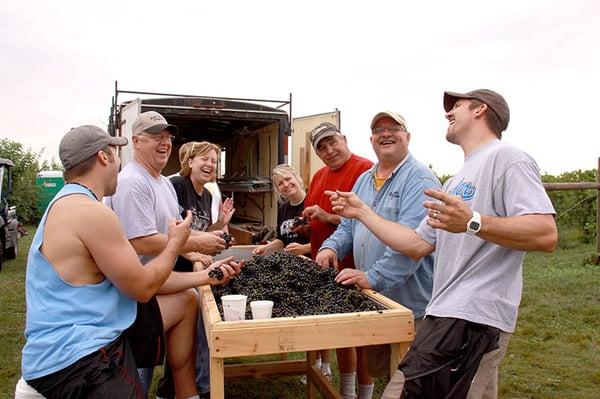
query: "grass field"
554, 353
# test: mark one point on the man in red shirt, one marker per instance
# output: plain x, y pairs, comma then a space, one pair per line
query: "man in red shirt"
340, 172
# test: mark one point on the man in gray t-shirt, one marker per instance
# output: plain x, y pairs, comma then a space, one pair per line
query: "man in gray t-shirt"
480, 225
145, 201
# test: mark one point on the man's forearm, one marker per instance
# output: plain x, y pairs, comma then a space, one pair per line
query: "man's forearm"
151, 245
154, 244
179, 281
398, 237
334, 219
523, 233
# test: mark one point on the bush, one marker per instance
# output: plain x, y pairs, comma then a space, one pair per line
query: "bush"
27, 165
575, 209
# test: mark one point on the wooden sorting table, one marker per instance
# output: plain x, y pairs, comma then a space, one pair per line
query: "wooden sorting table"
226, 339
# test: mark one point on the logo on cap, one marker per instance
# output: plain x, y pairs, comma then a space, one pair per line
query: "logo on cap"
322, 130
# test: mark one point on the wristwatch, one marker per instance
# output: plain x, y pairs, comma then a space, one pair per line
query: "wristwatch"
474, 224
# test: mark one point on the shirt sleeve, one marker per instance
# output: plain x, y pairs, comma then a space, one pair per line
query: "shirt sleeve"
394, 268
522, 192
341, 239
133, 205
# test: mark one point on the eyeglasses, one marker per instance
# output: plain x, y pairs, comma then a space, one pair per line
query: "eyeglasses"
391, 129
158, 138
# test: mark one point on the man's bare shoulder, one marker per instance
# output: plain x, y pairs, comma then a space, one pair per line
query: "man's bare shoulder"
81, 210
75, 228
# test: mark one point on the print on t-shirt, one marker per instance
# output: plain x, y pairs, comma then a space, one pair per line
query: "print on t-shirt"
201, 219
286, 229
465, 190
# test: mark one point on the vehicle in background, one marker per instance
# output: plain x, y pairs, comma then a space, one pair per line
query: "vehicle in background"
9, 234
253, 135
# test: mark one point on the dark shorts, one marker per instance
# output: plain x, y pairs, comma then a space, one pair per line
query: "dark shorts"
110, 372
146, 335
444, 357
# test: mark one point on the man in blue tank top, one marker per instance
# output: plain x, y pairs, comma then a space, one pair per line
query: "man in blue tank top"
84, 330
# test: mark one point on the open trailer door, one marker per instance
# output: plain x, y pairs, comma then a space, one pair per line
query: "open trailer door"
128, 114
304, 159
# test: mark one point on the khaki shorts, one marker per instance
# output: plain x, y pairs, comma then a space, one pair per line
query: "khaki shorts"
378, 357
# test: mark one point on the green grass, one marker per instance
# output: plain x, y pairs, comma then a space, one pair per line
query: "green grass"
554, 353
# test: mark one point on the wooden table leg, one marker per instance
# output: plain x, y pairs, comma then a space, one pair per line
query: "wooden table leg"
217, 378
398, 351
311, 357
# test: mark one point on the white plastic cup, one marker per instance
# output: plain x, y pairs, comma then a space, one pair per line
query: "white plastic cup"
234, 307
261, 309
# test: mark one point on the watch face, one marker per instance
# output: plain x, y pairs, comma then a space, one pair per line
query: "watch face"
474, 225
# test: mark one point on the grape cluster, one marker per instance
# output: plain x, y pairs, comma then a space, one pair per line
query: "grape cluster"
227, 237
298, 221
216, 273
296, 285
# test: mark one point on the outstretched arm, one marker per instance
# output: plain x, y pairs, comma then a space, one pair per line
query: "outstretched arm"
394, 235
533, 232
118, 261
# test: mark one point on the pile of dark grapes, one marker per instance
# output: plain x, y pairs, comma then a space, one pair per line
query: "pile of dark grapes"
227, 237
296, 285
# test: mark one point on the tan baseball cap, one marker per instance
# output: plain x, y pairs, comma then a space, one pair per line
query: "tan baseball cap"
494, 101
152, 122
322, 130
394, 115
83, 142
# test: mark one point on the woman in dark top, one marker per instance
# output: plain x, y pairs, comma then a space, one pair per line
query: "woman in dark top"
290, 193
199, 167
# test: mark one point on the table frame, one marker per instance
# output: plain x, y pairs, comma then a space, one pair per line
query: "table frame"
394, 325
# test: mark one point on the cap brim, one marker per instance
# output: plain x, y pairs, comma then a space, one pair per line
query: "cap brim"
450, 98
118, 141
328, 134
159, 128
390, 115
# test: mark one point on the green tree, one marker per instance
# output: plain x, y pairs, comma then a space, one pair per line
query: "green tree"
25, 194
52, 164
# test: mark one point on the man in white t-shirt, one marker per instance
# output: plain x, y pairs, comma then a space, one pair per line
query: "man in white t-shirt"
145, 200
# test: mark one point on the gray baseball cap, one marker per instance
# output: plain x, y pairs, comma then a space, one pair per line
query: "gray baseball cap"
495, 101
321, 131
152, 122
83, 142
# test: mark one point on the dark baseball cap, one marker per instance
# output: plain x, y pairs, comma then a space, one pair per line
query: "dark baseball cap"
322, 130
152, 122
494, 101
83, 142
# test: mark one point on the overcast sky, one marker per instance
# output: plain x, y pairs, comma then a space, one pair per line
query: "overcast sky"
59, 61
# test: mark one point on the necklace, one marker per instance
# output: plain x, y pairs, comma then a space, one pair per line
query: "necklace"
86, 187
